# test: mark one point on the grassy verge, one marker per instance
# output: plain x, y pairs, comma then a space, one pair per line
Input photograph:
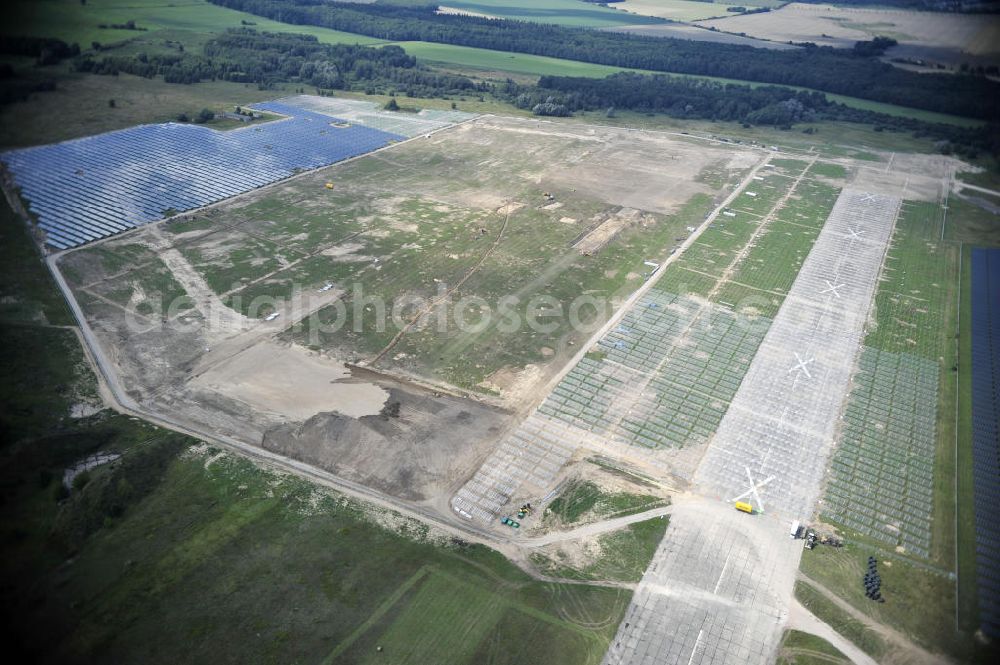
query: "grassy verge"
798, 648
620, 556
583, 500
27, 292
852, 629
966, 523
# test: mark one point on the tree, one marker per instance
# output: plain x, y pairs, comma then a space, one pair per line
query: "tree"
111, 103
204, 116
183, 117
391, 105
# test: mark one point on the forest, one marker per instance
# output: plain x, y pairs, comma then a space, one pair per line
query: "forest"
265, 58
698, 99
820, 68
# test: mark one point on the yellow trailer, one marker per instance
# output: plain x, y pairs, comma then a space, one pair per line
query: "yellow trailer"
744, 507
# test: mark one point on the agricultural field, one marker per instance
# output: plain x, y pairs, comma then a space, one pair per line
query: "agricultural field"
482, 60
676, 10
560, 12
950, 39
74, 21
694, 32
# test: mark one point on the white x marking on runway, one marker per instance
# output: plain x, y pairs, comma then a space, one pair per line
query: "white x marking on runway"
833, 288
800, 366
753, 490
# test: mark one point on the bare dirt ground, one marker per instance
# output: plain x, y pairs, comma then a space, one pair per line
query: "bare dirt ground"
914, 177
415, 455
289, 380
606, 230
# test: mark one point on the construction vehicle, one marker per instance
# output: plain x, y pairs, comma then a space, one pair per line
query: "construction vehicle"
511, 523
744, 507
812, 538
525, 510
329, 185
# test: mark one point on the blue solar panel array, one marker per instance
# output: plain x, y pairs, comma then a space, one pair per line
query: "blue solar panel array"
94, 187
986, 431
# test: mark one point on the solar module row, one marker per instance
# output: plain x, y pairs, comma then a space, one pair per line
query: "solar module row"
94, 187
986, 431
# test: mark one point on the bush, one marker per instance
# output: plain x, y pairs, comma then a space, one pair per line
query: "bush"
204, 116
81, 480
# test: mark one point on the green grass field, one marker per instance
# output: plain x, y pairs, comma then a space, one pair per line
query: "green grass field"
827, 612
503, 62
920, 602
73, 21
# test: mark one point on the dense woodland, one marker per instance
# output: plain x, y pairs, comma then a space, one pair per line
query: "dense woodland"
681, 97
821, 68
266, 58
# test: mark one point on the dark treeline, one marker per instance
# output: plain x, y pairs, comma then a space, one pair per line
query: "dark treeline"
694, 99
15, 87
964, 6
264, 58
46, 51
821, 68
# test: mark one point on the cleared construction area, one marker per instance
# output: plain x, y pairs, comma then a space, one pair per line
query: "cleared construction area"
773, 443
720, 584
